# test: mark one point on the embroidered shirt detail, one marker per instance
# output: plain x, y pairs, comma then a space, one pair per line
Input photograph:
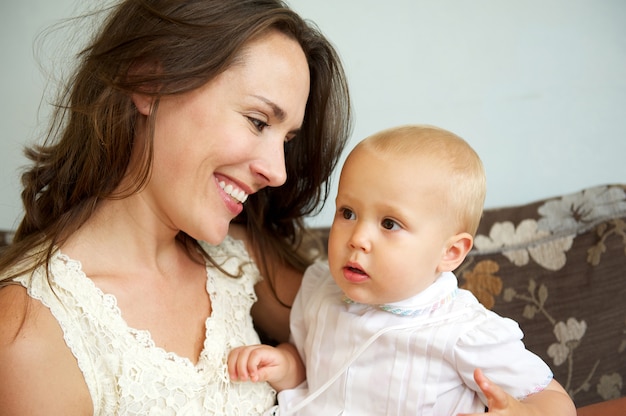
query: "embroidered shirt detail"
408, 311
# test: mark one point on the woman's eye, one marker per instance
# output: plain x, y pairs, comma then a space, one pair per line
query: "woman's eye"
388, 224
347, 214
258, 124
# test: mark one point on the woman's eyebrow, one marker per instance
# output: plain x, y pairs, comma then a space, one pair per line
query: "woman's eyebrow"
279, 113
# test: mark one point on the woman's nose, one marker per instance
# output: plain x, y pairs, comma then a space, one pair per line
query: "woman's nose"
270, 165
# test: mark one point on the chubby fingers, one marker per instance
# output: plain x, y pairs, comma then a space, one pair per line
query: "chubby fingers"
241, 366
497, 398
246, 363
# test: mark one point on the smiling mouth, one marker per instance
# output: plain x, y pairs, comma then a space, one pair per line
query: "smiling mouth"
237, 194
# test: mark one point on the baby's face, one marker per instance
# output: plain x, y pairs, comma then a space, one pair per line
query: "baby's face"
390, 231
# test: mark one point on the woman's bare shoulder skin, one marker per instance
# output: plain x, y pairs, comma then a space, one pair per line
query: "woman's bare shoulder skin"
39, 374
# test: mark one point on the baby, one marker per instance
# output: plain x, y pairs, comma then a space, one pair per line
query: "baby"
382, 327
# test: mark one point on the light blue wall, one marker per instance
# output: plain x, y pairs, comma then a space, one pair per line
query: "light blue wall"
537, 87
22, 85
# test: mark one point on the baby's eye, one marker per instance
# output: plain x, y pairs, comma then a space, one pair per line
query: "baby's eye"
347, 214
258, 124
389, 224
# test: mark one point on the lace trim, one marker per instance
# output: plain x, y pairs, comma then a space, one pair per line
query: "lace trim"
109, 301
146, 379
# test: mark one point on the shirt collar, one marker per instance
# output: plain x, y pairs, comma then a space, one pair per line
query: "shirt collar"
441, 292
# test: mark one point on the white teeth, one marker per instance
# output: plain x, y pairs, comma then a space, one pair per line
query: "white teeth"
235, 193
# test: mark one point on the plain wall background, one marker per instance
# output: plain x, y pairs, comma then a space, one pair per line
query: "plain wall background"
538, 88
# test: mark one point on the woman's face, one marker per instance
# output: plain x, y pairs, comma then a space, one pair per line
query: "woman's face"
218, 144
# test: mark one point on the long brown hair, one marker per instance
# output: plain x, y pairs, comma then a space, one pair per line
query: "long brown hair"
86, 153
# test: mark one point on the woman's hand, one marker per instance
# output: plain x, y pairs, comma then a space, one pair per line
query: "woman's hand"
553, 400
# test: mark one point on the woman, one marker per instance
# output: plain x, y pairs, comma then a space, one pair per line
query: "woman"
123, 292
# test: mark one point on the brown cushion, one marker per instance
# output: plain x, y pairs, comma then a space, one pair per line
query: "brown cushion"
558, 267
5, 237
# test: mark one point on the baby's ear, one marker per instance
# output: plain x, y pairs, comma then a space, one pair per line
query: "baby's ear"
456, 249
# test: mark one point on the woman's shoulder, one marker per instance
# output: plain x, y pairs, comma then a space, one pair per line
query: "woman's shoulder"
36, 359
20, 315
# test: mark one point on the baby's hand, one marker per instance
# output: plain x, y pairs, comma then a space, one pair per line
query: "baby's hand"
280, 366
255, 363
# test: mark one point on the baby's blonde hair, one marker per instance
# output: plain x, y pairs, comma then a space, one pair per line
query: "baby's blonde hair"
464, 184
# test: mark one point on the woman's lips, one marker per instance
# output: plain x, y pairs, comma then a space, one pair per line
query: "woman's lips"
236, 193
232, 196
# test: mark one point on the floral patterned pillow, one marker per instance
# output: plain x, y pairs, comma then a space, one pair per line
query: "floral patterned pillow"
558, 267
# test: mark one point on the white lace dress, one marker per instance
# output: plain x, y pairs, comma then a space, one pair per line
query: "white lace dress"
126, 373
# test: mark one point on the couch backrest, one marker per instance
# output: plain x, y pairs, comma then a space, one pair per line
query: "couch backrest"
558, 267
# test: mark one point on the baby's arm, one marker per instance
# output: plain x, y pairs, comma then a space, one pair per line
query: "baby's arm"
280, 366
553, 400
